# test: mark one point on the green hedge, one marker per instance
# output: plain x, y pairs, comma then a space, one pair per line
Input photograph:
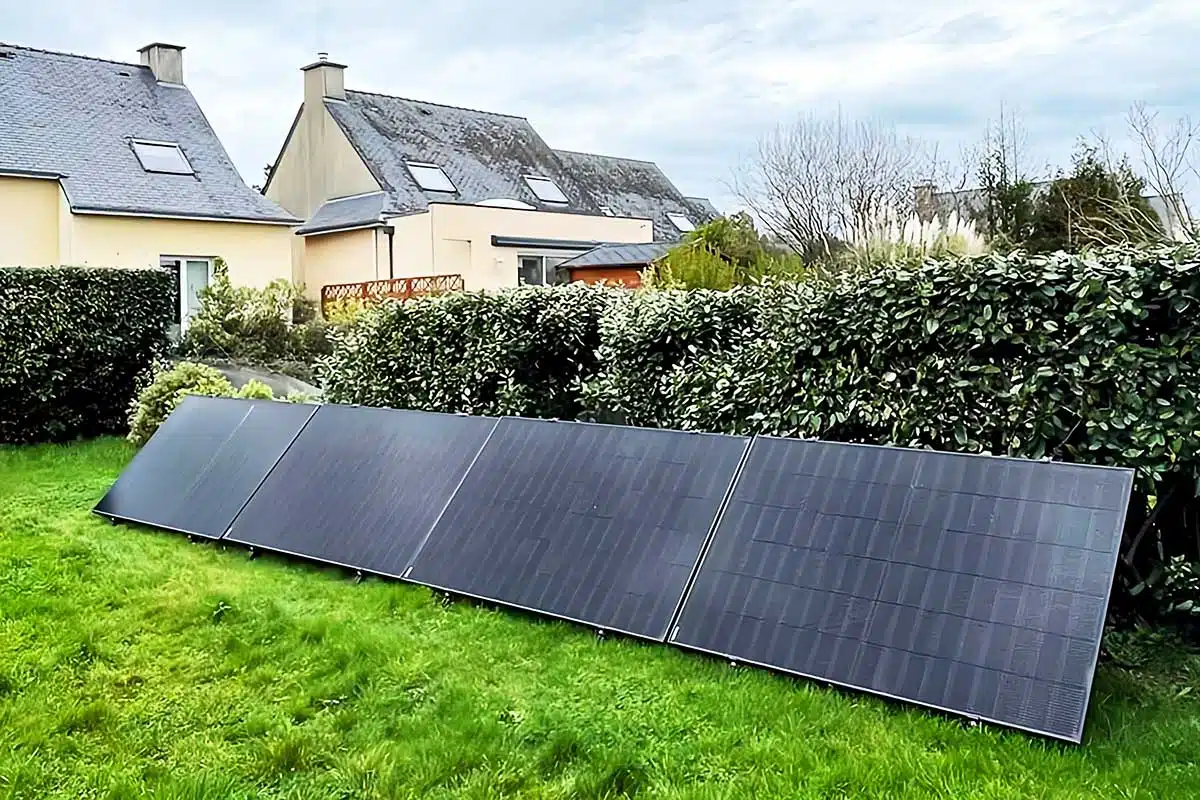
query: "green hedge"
73, 344
1089, 359
523, 351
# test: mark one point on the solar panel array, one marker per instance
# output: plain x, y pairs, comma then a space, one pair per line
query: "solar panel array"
593, 523
970, 584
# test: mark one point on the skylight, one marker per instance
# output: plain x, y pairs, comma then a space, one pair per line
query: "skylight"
681, 222
161, 157
430, 177
546, 189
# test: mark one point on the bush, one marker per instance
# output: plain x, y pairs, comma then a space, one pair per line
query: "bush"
518, 351
275, 327
73, 342
646, 337
167, 390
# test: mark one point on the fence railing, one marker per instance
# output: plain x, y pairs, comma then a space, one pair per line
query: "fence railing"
394, 288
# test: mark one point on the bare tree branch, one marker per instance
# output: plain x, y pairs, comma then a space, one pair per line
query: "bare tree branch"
821, 182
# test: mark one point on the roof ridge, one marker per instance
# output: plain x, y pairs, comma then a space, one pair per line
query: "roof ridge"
440, 105
603, 155
70, 55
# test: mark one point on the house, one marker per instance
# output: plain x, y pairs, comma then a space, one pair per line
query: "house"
391, 188
113, 164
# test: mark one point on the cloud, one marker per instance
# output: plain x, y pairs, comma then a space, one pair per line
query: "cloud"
688, 83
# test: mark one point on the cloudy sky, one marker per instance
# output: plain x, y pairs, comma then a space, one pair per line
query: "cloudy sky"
687, 83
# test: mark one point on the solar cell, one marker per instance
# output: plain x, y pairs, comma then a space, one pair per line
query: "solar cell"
361, 487
203, 464
597, 524
969, 584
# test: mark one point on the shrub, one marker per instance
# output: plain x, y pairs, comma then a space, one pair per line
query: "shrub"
275, 326
167, 390
73, 342
648, 336
518, 351
255, 390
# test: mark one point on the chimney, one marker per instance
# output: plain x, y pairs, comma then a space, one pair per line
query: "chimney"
323, 79
165, 61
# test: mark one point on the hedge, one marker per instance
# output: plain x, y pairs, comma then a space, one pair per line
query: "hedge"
523, 351
1089, 359
74, 343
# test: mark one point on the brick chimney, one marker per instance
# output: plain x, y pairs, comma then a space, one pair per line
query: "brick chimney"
165, 61
323, 79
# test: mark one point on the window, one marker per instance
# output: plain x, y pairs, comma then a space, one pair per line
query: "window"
607, 211
192, 275
430, 177
161, 157
546, 189
539, 270
681, 222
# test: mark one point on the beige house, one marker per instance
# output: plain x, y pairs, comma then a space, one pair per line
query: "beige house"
396, 188
113, 164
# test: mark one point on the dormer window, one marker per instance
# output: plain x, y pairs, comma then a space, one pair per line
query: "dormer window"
683, 223
430, 177
161, 157
546, 190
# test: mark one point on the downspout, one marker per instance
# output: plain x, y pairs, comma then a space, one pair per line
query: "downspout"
375, 247
391, 234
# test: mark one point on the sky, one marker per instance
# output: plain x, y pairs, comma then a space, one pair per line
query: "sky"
690, 84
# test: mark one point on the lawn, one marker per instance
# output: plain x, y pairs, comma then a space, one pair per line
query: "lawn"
136, 664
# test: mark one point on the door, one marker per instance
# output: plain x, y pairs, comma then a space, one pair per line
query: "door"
192, 276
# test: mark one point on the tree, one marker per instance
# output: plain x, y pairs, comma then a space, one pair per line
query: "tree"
1005, 213
727, 252
1099, 202
1171, 163
822, 182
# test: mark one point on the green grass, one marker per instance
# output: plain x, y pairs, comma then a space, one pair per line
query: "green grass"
135, 664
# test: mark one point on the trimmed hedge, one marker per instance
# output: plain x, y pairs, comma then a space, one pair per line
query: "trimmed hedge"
1091, 359
73, 344
522, 351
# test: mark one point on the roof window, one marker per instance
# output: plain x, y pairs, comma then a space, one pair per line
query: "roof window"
546, 190
161, 157
430, 177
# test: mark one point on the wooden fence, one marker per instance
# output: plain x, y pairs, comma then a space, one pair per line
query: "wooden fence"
395, 288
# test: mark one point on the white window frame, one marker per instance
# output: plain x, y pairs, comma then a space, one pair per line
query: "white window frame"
133, 143
529, 181
557, 257
427, 165
181, 284
688, 225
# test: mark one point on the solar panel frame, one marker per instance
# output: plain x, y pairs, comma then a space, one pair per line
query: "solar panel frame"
329, 411
193, 410
707, 533
853, 616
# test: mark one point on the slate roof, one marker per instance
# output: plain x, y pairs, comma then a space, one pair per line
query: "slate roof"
346, 212
485, 155
74, 116
619, 255
634, 188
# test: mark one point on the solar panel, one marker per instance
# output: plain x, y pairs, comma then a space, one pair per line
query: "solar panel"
203, 463
969, 584
597, 524
362, 487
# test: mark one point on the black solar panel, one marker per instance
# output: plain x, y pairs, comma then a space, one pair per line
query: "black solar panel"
203, 463
592, 523
969, 584
362, 487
